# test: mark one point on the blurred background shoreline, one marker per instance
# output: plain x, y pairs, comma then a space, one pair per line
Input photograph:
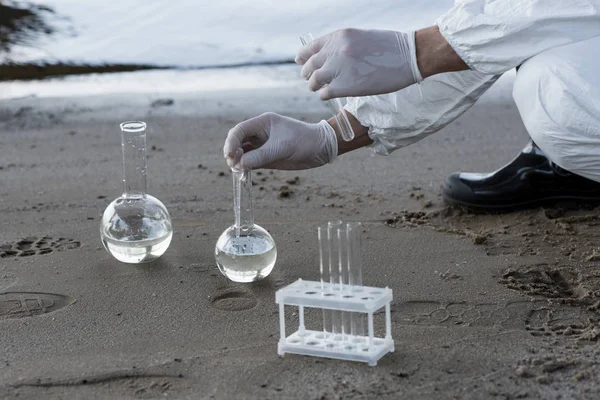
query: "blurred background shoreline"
49, 38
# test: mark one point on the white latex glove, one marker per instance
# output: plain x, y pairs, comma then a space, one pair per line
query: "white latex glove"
353, 62
277, 142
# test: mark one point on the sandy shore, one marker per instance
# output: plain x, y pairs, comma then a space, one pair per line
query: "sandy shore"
484, 306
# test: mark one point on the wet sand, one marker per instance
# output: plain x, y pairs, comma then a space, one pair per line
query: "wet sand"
484, 306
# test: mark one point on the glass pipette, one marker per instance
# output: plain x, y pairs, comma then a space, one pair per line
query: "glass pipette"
335, 105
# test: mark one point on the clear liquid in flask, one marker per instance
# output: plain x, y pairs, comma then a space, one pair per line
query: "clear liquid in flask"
245, 258
137, 251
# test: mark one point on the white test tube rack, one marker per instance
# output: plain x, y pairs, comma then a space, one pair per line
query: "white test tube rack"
356, 299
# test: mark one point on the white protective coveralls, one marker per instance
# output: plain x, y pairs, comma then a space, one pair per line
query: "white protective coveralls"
557, 89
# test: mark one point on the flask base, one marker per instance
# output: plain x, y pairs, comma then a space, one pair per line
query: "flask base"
246, 268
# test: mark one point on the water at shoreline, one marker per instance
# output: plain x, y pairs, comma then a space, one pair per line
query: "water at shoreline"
189, 33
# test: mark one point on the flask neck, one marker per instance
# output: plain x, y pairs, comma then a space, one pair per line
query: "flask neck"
242, 200
133, 145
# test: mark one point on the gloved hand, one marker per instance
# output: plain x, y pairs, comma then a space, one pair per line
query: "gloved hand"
277, 142
353, 62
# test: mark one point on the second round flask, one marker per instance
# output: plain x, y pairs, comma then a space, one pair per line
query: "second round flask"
245, 252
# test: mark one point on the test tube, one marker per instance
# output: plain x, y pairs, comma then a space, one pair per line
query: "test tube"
344, 258
335, 105
354, 234
324, 247
334, 271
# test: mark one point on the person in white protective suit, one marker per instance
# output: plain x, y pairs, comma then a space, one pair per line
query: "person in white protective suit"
554, 45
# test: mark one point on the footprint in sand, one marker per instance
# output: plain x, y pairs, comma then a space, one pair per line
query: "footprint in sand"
30, 304
542, 280
538, 317
234, 300
31, 246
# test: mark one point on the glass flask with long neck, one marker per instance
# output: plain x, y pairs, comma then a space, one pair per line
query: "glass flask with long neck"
245, 252
136, 227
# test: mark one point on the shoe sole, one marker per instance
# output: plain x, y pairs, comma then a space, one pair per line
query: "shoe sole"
504, 208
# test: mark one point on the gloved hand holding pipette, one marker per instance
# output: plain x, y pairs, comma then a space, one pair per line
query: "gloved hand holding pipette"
349, 62
353, 62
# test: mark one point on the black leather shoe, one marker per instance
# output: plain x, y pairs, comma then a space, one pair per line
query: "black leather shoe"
530, 180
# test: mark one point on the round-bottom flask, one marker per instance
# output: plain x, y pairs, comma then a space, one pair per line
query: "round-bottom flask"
245, 252
248, 257
136, 230
136, 227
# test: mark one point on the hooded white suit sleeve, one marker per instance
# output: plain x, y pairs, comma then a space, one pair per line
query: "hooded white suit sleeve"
402, 118
492, 37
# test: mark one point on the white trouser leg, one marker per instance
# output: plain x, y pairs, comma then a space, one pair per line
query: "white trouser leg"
557, 93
